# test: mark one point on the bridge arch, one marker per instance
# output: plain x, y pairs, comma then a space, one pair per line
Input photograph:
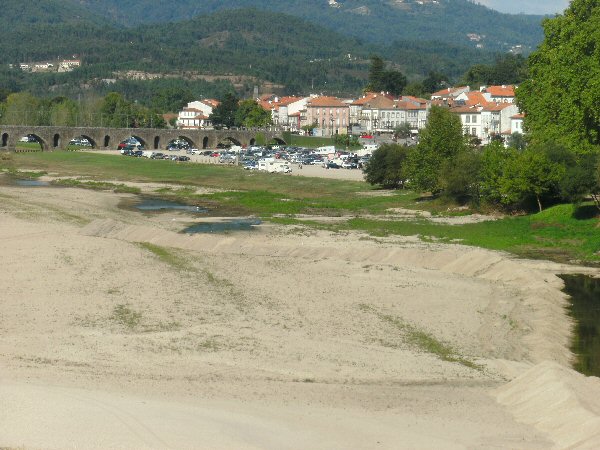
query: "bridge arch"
43, 144
4, 139
156, 143
205, 142
106, 141
56, 140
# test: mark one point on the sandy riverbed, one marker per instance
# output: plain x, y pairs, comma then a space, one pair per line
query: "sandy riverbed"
272, 339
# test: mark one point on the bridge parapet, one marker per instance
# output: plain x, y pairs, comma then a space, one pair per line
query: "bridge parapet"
58, 138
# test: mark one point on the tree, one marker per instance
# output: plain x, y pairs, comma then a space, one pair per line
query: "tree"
21, 109
561, 98
441, 139
532, 173
517, 141
376, 71
116, 111
495, 159
382, 80
250, 114
460, 176
403, 131
224, 114
582, 179
387, 166
434, 82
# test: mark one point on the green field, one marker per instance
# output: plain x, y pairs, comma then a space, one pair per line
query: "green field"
562, 233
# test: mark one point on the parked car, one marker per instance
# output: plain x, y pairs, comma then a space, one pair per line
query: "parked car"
138, 153
332, 165
183, 158
158, 156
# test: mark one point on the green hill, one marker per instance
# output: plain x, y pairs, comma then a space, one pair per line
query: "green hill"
379, 21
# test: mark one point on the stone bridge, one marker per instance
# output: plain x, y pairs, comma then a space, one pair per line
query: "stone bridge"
58, 138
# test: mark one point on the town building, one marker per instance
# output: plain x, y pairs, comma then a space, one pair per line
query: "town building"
327, 115
196, 114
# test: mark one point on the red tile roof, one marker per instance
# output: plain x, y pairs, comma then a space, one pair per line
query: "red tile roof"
501, 91
326, 101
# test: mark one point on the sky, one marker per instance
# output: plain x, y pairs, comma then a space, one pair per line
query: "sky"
527, 6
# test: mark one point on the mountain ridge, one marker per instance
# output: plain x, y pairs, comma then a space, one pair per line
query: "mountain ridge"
449, 21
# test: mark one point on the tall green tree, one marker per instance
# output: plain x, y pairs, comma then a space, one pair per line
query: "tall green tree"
441, 140
562, 95
382, 80
224, 114
387, 166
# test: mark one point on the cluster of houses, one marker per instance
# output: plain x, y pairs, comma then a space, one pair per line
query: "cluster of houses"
485, 113
65, 65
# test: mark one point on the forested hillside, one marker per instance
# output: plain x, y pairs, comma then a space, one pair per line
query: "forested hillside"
380, 21
260, 45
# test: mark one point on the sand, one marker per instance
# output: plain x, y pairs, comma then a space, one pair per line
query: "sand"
272, 339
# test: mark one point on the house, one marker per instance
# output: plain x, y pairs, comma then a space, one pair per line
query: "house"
484, 121
448, 95
196, 114
68, 65
499, 94
383, 113
282, 109
516, 123
328, 115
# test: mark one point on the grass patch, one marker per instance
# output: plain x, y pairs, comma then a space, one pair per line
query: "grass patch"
421, 339
126, 317
167, 256
97, 185
561, 233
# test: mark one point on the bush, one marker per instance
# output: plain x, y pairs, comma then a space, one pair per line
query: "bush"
387, 166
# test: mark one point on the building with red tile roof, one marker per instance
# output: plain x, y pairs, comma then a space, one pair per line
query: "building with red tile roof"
328, 115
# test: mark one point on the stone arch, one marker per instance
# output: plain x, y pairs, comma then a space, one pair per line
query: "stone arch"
205, 142
278, 141
56, 141
91, 140
233, 140
4, 139
156, 142
140, 140
43, 144
106, 141
252, 141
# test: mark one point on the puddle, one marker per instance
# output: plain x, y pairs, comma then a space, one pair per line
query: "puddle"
223, 226
158, 204
585, 309
31, 183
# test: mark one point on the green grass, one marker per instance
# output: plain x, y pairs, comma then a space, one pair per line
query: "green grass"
97, 185
421, 339
561, 233
167, 256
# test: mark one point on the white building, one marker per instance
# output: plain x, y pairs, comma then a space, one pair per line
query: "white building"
196, 115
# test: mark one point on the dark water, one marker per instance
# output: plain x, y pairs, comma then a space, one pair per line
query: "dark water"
31, 183
585, 309
157, 204
223, 226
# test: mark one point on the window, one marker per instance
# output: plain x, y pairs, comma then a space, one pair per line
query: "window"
474, 119
474, 131
468, 119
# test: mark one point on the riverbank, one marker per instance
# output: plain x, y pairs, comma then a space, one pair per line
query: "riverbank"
120, 332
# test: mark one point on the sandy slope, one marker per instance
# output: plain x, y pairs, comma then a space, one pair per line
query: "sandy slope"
272, 339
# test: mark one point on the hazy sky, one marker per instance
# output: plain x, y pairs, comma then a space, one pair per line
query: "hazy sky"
527, 6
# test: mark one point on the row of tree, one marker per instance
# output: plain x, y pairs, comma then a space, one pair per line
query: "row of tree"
113, 110
445, 162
